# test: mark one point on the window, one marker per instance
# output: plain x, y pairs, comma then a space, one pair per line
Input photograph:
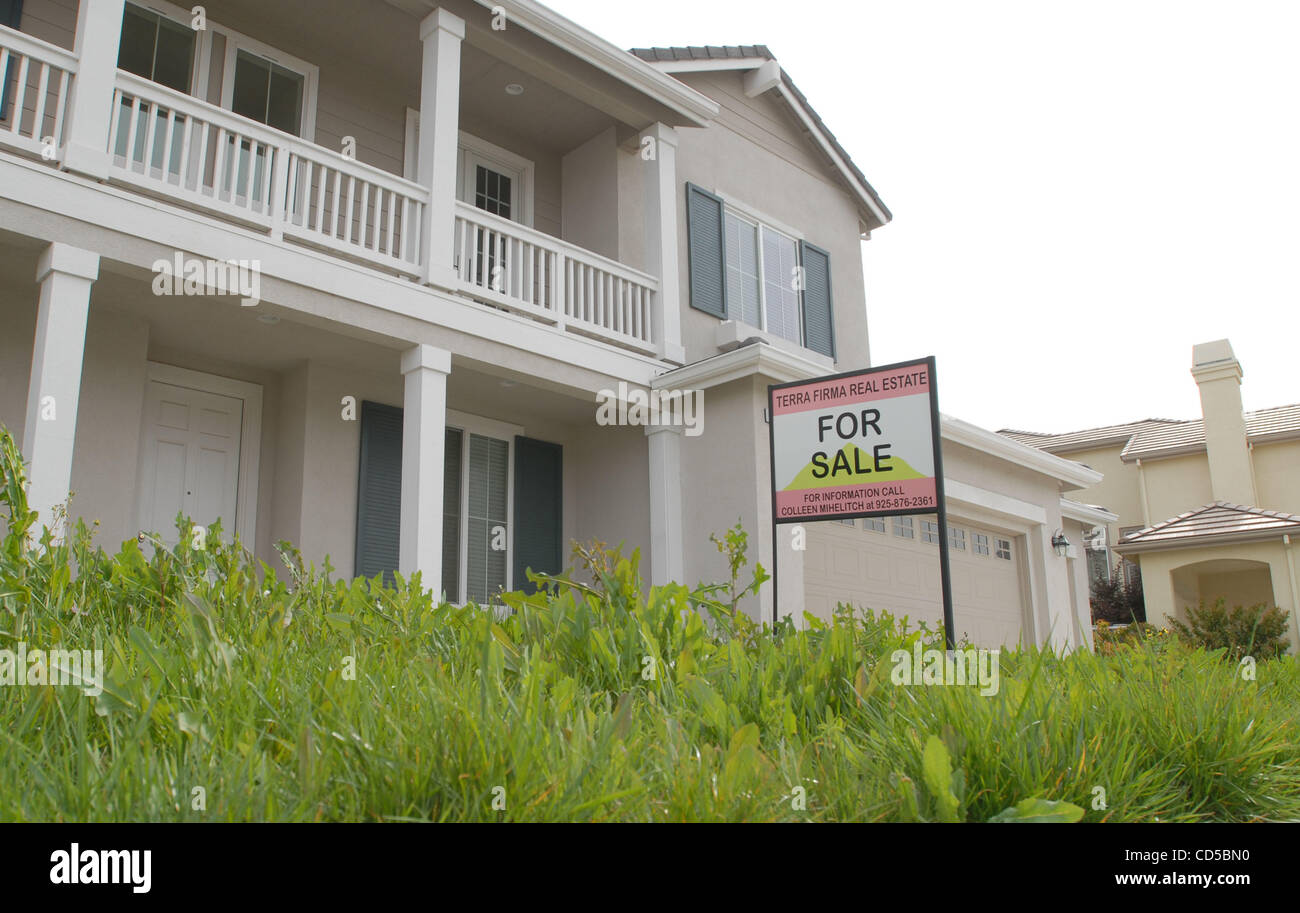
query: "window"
487, 541
267, 92
751, 272
1098, 565
875, 524
157, 48
477, 499
929, 531
957, 538
852, 523
493, 191
903, 528
743, 280
264, 84
981, 544
762, 266
1004, 549
1132, 573
492, 178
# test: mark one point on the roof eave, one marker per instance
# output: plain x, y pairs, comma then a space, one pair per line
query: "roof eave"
696, 109
1185, 542
876, 214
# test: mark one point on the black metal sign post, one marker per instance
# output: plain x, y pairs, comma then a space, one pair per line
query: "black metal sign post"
945, 570
907, 508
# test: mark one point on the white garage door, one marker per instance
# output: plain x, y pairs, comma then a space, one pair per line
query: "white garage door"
888, 570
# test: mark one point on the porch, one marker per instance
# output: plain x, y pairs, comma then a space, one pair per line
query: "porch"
363, 451
486, 162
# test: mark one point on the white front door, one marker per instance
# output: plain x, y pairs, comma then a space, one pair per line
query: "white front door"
190, 459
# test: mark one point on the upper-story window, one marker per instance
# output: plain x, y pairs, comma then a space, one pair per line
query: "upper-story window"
257, 81
267, 92
745, 268
763, 277
157, 48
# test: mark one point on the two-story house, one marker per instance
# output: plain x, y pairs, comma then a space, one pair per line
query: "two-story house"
359, 275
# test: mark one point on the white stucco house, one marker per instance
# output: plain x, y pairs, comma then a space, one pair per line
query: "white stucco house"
430, 235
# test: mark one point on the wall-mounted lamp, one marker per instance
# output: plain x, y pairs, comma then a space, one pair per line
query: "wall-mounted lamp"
1061, 544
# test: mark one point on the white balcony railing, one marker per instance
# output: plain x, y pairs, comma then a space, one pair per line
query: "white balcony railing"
34, 93
170, 144
524, 270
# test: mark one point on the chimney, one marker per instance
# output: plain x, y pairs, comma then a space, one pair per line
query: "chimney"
1218, 375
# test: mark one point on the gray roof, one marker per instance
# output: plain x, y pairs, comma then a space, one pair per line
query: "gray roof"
1213, 522
750, 51
1159, 437
1088, 438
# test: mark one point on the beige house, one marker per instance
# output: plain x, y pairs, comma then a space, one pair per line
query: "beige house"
1207, 508
360, 275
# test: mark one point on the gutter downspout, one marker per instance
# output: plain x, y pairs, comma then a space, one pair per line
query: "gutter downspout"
1142, 487
1289, 547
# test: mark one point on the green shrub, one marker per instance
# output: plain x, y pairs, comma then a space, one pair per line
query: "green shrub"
1258, 631
282, 693
1118, 600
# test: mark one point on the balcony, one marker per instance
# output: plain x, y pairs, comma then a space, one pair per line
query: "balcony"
188, 152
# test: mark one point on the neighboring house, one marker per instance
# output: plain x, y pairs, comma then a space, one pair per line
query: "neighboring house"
1208, 508
465, 226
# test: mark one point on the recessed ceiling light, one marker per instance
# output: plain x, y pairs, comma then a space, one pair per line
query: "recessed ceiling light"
268, 319
514, 88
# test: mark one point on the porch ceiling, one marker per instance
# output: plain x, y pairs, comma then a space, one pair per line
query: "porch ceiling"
554, 50
544, 114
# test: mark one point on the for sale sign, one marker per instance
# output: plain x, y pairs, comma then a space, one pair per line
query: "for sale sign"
862, 444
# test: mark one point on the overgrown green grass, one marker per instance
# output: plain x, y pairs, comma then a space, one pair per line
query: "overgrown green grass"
600, 703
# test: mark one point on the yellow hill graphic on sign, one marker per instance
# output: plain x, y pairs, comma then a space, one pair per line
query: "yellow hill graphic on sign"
843, 469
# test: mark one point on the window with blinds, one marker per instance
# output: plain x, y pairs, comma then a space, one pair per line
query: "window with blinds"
780, 291
743, 295
487, 479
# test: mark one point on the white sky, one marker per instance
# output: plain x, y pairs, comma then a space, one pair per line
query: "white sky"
1080, 191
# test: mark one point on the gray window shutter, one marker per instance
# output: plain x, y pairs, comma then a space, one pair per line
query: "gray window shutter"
539, 493
707, 254
379, 491
451, 517
818, 315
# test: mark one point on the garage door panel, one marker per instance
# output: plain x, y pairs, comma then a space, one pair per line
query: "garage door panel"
885, 572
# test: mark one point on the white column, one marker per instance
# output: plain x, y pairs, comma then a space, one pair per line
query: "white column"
660, 194
666, 558
442, 33
424, 430
90, 110
66, 275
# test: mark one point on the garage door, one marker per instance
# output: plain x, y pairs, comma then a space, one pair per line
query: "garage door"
893, 565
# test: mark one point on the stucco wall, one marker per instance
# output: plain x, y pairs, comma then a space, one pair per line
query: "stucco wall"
1277, 476
1177, 485
1119, 491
